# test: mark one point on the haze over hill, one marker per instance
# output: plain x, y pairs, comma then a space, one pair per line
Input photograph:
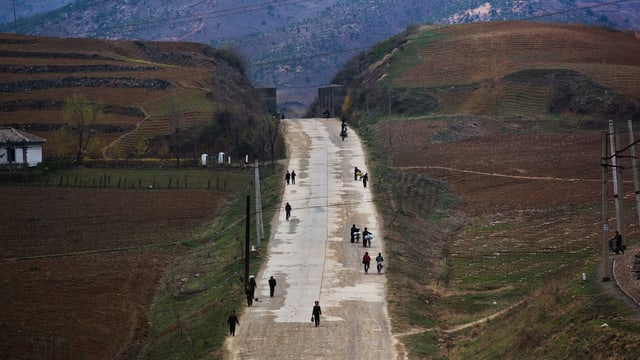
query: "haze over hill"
295, 46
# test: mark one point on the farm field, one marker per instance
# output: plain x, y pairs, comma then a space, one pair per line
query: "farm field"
81, 265
527, 213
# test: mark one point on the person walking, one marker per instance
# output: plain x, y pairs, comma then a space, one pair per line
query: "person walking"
287, 211
356, 173
288, 177
379, 261
253, 285
232, 321
366, 261
272, 286
293, 177
366, 237
618, 240
354, 232
249, 294
365, 178
316, 312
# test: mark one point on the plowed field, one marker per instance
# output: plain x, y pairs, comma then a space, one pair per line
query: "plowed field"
81, 266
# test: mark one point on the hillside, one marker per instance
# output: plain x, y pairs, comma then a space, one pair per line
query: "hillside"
486, 140
502, 70
298, 46
145, 90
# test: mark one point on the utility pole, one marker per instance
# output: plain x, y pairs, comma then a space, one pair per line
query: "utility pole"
15, 19
634, 169
259, 226
247, 247
617, 183
606, 270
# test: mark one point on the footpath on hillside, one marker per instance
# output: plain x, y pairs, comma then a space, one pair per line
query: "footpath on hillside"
312, 259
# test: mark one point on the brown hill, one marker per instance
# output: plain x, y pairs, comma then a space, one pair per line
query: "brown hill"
505, 70
147, 89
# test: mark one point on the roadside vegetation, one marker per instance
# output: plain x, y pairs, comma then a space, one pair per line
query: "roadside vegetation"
188, 319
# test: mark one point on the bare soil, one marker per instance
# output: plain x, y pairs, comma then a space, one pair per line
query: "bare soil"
80, 266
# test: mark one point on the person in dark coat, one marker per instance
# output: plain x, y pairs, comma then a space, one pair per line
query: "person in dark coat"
293, 176
354, 231
365, 179
232, 321
618, 241
249, 294
316, 312
366, 237
252, 287
272, 286
356, 173
287, 177
287, 211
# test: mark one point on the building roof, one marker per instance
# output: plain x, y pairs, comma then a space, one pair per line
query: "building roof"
11, 135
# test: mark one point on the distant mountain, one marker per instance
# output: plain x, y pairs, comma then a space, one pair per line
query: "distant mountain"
25, 9
296, 45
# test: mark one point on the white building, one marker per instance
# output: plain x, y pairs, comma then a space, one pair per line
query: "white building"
18, 148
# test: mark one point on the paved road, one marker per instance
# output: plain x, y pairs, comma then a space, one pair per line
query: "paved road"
312, 259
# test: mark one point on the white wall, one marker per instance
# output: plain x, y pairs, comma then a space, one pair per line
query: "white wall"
34, 155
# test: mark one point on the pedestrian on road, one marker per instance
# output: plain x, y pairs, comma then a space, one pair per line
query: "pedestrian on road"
316, 312
379, 261
354, 232
293, 177
618, 240
249, 294
232, 321
288, 177
365, 178
356, 173
287, 211
272, 286
366, 238
366, 261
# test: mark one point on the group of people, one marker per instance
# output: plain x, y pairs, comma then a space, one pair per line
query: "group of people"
366, 261
358, 174
290, 177
367, 236
250, 291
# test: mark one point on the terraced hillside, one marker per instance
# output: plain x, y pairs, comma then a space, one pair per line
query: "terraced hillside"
508, 70
146, 89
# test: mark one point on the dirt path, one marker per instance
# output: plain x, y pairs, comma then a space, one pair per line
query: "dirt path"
312, 258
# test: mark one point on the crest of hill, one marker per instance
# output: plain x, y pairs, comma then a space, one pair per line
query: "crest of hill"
146, 89
502, 70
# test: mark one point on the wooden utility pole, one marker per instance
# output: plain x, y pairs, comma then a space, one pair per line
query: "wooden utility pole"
606, 270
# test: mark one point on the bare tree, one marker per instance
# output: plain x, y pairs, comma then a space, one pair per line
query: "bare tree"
81, 117
271, 133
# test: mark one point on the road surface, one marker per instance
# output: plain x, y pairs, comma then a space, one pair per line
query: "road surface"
312, 259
